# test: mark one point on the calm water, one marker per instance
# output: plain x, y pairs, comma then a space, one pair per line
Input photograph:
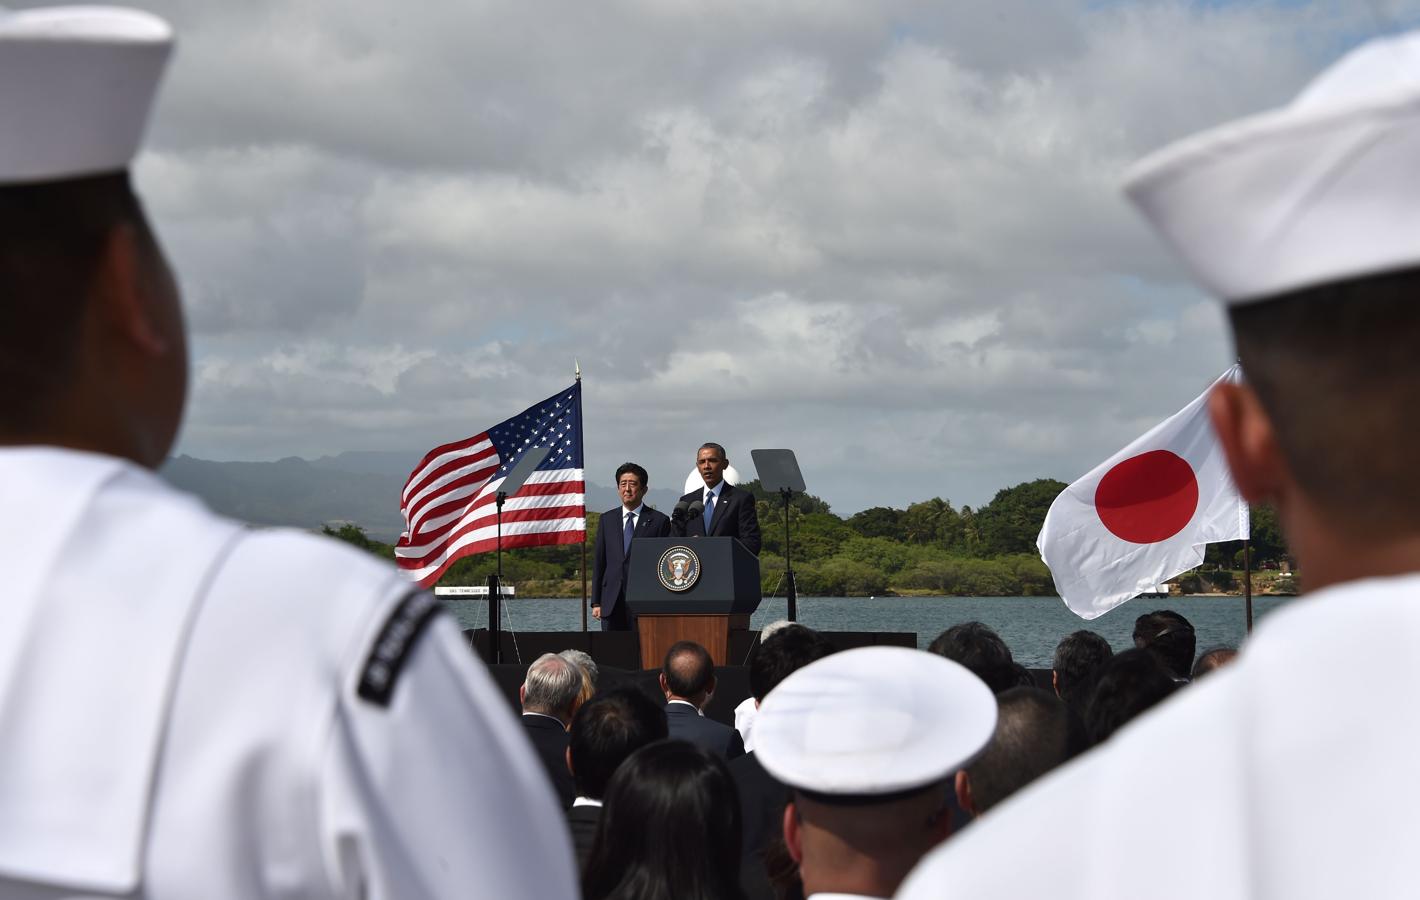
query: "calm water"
1031, 626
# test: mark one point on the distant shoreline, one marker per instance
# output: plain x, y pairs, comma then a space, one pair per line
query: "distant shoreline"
546, 595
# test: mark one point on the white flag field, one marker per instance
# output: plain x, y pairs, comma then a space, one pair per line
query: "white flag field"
1145, 514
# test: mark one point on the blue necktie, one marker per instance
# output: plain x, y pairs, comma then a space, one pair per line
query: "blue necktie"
626, 535
709, 509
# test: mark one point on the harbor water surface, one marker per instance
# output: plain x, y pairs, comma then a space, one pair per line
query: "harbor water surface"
1031, 626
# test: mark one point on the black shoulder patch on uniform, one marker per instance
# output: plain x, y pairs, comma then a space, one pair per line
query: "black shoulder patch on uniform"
395, 642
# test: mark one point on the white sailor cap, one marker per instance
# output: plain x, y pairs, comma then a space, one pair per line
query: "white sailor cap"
873, 724
1324, 189
76, 85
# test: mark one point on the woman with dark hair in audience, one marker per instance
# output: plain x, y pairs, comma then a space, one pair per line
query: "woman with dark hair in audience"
670, 828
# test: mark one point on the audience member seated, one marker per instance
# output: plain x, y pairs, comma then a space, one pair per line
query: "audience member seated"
1078, 659
868, 740
762, 797
981, 650
1212, 660
605, 731
583, 660
1170, 637
670, 829
1035, 732
744, 713
549, 697
688, 681
1130, 683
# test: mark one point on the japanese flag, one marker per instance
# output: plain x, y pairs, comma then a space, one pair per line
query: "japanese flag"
1144, 515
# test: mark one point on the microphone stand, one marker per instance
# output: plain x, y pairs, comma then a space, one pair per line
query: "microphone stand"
495, 591
791, 587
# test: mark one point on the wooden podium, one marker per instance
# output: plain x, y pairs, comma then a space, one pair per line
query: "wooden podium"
719, 599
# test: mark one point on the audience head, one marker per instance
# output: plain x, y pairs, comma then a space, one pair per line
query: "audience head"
767, 631
1078, 659
1168, 636
688, 673
605, 731
1128, 685
981, 650
1213, 659
1035, 732
870, 802
670, 827
552, 687
1309, 354
785, 651
583, 661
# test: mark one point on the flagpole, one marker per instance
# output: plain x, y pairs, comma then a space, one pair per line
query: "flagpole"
1247, 571
577, 366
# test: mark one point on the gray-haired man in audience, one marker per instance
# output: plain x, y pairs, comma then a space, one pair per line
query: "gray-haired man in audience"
549, 696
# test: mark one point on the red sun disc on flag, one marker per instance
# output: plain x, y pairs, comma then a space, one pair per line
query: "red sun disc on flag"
1147, 498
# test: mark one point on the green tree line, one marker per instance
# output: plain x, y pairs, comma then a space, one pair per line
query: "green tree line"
929, 548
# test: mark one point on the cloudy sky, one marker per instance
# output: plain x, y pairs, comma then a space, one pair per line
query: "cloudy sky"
885, 234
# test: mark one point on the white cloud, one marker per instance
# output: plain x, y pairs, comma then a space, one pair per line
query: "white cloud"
886, 234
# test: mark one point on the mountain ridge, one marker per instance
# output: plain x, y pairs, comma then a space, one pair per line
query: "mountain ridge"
356, 486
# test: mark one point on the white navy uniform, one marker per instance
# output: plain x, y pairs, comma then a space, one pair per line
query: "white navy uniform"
1289, 774
190, 708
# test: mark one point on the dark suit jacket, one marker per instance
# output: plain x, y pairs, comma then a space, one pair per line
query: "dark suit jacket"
684, 724
735, 517
762, 799
549, 738
608, 562
583, 821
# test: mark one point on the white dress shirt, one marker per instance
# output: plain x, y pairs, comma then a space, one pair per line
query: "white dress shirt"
697, 709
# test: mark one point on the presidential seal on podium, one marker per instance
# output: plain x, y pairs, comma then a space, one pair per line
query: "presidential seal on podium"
678, 569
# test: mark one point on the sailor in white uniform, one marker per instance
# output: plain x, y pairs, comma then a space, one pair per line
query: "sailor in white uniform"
189, 708
868, 741
1292, 774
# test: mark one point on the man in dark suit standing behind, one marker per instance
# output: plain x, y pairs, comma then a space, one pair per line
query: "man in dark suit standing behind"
688, 680
549, 698
728, 511
617, 529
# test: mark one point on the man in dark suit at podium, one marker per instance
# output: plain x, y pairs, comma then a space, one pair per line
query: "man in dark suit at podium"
727, 511
632, 519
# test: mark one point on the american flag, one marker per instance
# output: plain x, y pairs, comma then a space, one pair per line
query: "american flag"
448, 501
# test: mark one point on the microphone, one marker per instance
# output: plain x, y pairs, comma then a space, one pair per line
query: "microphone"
678, 514
697, 508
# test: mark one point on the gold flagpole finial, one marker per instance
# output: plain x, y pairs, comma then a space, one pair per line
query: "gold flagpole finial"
578, 367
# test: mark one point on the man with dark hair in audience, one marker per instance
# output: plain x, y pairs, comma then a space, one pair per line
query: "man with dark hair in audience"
981, 650
1212, 660
1131, 683
1170, 637
605, 731
762, 796
1078, 659
549, 696
688, 681
1035, 732
1305, 220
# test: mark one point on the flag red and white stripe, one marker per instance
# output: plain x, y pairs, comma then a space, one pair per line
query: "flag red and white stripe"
449, 500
